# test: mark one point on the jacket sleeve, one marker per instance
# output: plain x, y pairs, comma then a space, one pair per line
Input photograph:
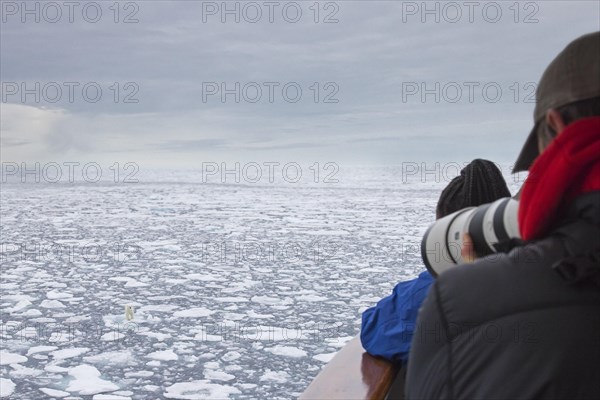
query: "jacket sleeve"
387, 329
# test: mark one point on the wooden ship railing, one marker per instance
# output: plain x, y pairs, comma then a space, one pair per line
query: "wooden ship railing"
354, 374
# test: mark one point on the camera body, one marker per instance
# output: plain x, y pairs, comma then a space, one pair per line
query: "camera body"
487, 225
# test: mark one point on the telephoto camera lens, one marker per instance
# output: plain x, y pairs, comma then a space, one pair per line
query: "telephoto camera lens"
487, 225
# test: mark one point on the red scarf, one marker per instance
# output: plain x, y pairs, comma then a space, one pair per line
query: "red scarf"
569, 167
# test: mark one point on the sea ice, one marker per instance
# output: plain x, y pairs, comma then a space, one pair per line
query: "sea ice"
32, 312
231, 299
196, 312
112, 336
19, 306
87, 381
54, 393
253, 314
139, 374
40, 349
52, 304
158, 308
110, 397
54, 367
20, 372
156, 335
311, 297
214, 375
287, 351
199, 390
7, 358
301, 295
204, 278
69, 353
135, 283
56, 295
275, 376
123, 393
271, 301
7, 387
121, 357
231, 356
163, 355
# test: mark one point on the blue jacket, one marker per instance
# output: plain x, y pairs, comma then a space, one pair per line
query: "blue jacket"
387, 329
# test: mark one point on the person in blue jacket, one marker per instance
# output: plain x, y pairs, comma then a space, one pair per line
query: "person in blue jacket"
387, 328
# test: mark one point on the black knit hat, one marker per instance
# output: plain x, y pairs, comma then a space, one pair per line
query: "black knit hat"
480, 182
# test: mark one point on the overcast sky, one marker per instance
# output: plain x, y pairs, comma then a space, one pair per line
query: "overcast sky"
361, 77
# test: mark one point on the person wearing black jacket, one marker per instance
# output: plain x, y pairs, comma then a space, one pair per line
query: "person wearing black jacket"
526, 324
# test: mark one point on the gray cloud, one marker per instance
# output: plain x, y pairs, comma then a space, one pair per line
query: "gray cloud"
368, 56
11, 142
191, 145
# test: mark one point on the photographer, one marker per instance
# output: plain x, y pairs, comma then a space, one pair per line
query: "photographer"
387, 328
533, 314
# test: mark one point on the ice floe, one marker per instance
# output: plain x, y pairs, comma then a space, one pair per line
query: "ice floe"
69, 353
231, 356
52, 304
57, 295
199, 390
20, 372
87, 381
40, 349
110, 397
275, 376
120, 357
215, 375
163, 355
54, 393
21, 305
7, 387
287, 351
196, 312
7, 358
